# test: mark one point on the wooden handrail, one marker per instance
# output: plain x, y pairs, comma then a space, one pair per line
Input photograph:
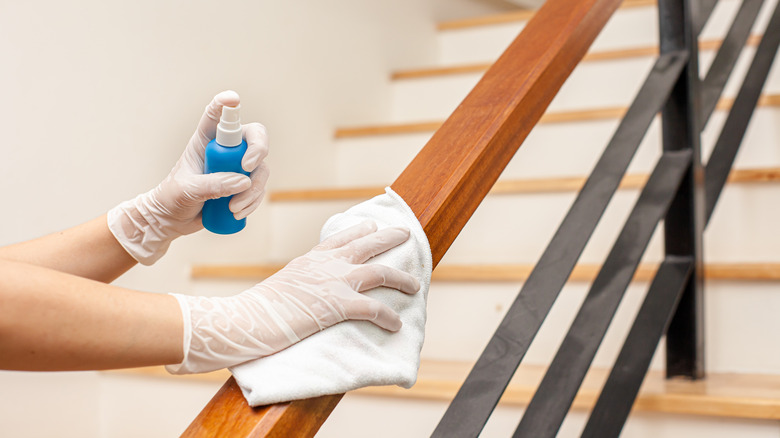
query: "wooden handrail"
451, 175
448, 179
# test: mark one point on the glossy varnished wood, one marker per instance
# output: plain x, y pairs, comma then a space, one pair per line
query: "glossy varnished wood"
228, 415
451, 175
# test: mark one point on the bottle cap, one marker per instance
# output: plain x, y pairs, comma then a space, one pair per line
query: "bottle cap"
229, 127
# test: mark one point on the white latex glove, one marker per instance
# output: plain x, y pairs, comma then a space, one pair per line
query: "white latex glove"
146, 225
311, 293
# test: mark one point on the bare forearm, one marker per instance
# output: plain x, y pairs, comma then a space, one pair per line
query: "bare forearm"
55, 321
88, 250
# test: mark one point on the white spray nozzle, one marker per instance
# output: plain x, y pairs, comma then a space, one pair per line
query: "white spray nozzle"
229, 127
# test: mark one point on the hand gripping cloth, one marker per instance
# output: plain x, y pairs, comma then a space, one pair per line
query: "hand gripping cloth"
354, 354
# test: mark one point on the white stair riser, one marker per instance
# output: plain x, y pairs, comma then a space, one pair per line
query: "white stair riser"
459, 327
473, 45
517, 228
377, 159
591, 85
554, 149
296, 226
581, 143
420, 417
95, 404
630, 27
174, 405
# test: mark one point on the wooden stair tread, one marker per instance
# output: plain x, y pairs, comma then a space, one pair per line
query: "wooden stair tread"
517, 16
603, 55
720, 394
510, 272
728, 395
512, 187
551, 117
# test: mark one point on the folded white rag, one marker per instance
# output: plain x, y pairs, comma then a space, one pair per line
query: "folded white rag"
354, 354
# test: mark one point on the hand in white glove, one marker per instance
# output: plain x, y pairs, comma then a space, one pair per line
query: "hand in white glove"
311, 293
146, 225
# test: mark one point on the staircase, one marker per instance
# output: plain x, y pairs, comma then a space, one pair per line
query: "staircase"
483, 270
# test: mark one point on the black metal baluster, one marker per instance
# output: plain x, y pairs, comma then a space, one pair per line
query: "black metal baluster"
727, 145
622, 386
476, 399
723, 64
619, 392
684, 222
553, 398
705, 11
683, 114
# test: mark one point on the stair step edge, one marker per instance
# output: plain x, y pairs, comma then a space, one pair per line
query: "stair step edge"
734, 395
603, 55
567, 116
509, 272
517, 16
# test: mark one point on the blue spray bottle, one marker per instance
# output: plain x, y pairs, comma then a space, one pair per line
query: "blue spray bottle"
224, 154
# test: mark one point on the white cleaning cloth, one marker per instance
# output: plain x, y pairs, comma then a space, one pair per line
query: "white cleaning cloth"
354, 354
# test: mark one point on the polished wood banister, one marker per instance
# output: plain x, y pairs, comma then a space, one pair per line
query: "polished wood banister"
451, 175
448, 179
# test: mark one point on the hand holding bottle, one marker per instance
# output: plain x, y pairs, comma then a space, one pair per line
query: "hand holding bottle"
146, 225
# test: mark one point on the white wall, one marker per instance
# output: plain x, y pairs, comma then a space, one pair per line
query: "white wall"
99, 99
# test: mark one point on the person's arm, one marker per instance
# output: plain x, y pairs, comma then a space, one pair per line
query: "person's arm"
53, 321
146, 226
141, 229
88, 250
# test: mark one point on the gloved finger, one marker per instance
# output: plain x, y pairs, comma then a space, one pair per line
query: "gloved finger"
362, 249
200, 188
368, 309
256, 146
367, 277
343, 237
207, 127
244, 203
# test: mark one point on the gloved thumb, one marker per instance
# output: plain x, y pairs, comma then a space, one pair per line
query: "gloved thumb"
200, 188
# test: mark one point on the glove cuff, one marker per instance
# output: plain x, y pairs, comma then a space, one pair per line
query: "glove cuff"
221, 332
186, 319
137, 229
